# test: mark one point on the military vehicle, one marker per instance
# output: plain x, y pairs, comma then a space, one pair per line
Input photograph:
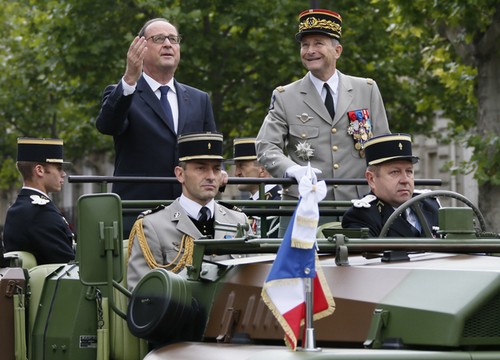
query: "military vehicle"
422, 298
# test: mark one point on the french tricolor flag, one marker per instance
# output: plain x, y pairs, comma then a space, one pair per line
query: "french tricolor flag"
296, 260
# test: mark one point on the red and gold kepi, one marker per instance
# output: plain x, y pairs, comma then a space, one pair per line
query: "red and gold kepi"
319, 21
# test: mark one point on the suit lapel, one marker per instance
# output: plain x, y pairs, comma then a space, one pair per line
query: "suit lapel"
183, 102
400, 227
152, 100
345, 97
221, 215
182, 222
428, 215
313, 100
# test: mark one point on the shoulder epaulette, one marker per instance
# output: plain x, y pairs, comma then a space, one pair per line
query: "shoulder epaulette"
39, 200
151, 211
363, 202
280, 89
229, 206
369, 81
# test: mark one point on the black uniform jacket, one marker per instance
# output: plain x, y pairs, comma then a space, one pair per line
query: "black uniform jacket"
375, 217
36, 225
274, 193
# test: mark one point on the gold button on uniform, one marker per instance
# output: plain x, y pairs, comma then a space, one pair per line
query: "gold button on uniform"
336, 166
335, 147
334, 130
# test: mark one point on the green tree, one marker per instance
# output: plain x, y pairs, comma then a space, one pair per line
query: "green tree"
458, 57
55, 57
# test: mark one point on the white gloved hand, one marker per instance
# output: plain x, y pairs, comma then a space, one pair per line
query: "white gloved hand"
298, 171
224, 179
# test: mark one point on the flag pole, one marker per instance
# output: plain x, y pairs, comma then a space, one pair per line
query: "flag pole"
309, 341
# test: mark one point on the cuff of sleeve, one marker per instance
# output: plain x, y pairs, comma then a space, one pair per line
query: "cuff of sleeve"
289, 172
128, 89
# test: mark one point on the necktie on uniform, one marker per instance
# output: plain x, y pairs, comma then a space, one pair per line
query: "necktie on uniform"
411, 217
204, 214
329, 101
166, 106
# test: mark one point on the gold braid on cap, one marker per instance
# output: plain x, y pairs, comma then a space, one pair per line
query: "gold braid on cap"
185, 250
313, 23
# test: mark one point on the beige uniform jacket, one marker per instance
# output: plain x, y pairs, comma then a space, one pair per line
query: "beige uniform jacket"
297, 115
164, 230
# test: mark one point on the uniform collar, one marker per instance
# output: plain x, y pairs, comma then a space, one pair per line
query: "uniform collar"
155, 85
36, 190
192, 208
333, 83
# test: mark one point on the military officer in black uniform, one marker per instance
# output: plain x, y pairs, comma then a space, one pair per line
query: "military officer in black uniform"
390, 177
34, 223
247, 166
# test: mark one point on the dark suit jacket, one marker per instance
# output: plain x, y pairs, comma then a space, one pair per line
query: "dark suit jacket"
144, 144
39, 228
375, 217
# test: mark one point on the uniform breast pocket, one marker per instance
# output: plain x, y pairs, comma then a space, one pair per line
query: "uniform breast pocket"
304, 132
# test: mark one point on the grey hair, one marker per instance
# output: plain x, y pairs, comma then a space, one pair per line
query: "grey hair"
374, 169
142, 32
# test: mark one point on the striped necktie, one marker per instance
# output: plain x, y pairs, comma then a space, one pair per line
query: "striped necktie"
203, 215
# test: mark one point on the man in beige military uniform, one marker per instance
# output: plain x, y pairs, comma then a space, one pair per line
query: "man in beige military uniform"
164, 237
325, 117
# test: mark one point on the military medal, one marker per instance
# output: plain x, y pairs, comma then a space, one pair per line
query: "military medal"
360, 128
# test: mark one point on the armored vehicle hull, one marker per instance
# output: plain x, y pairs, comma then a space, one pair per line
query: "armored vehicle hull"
395, 299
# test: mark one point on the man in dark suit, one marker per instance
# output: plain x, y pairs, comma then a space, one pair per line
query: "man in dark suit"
390, 177
145, 118
33, 223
